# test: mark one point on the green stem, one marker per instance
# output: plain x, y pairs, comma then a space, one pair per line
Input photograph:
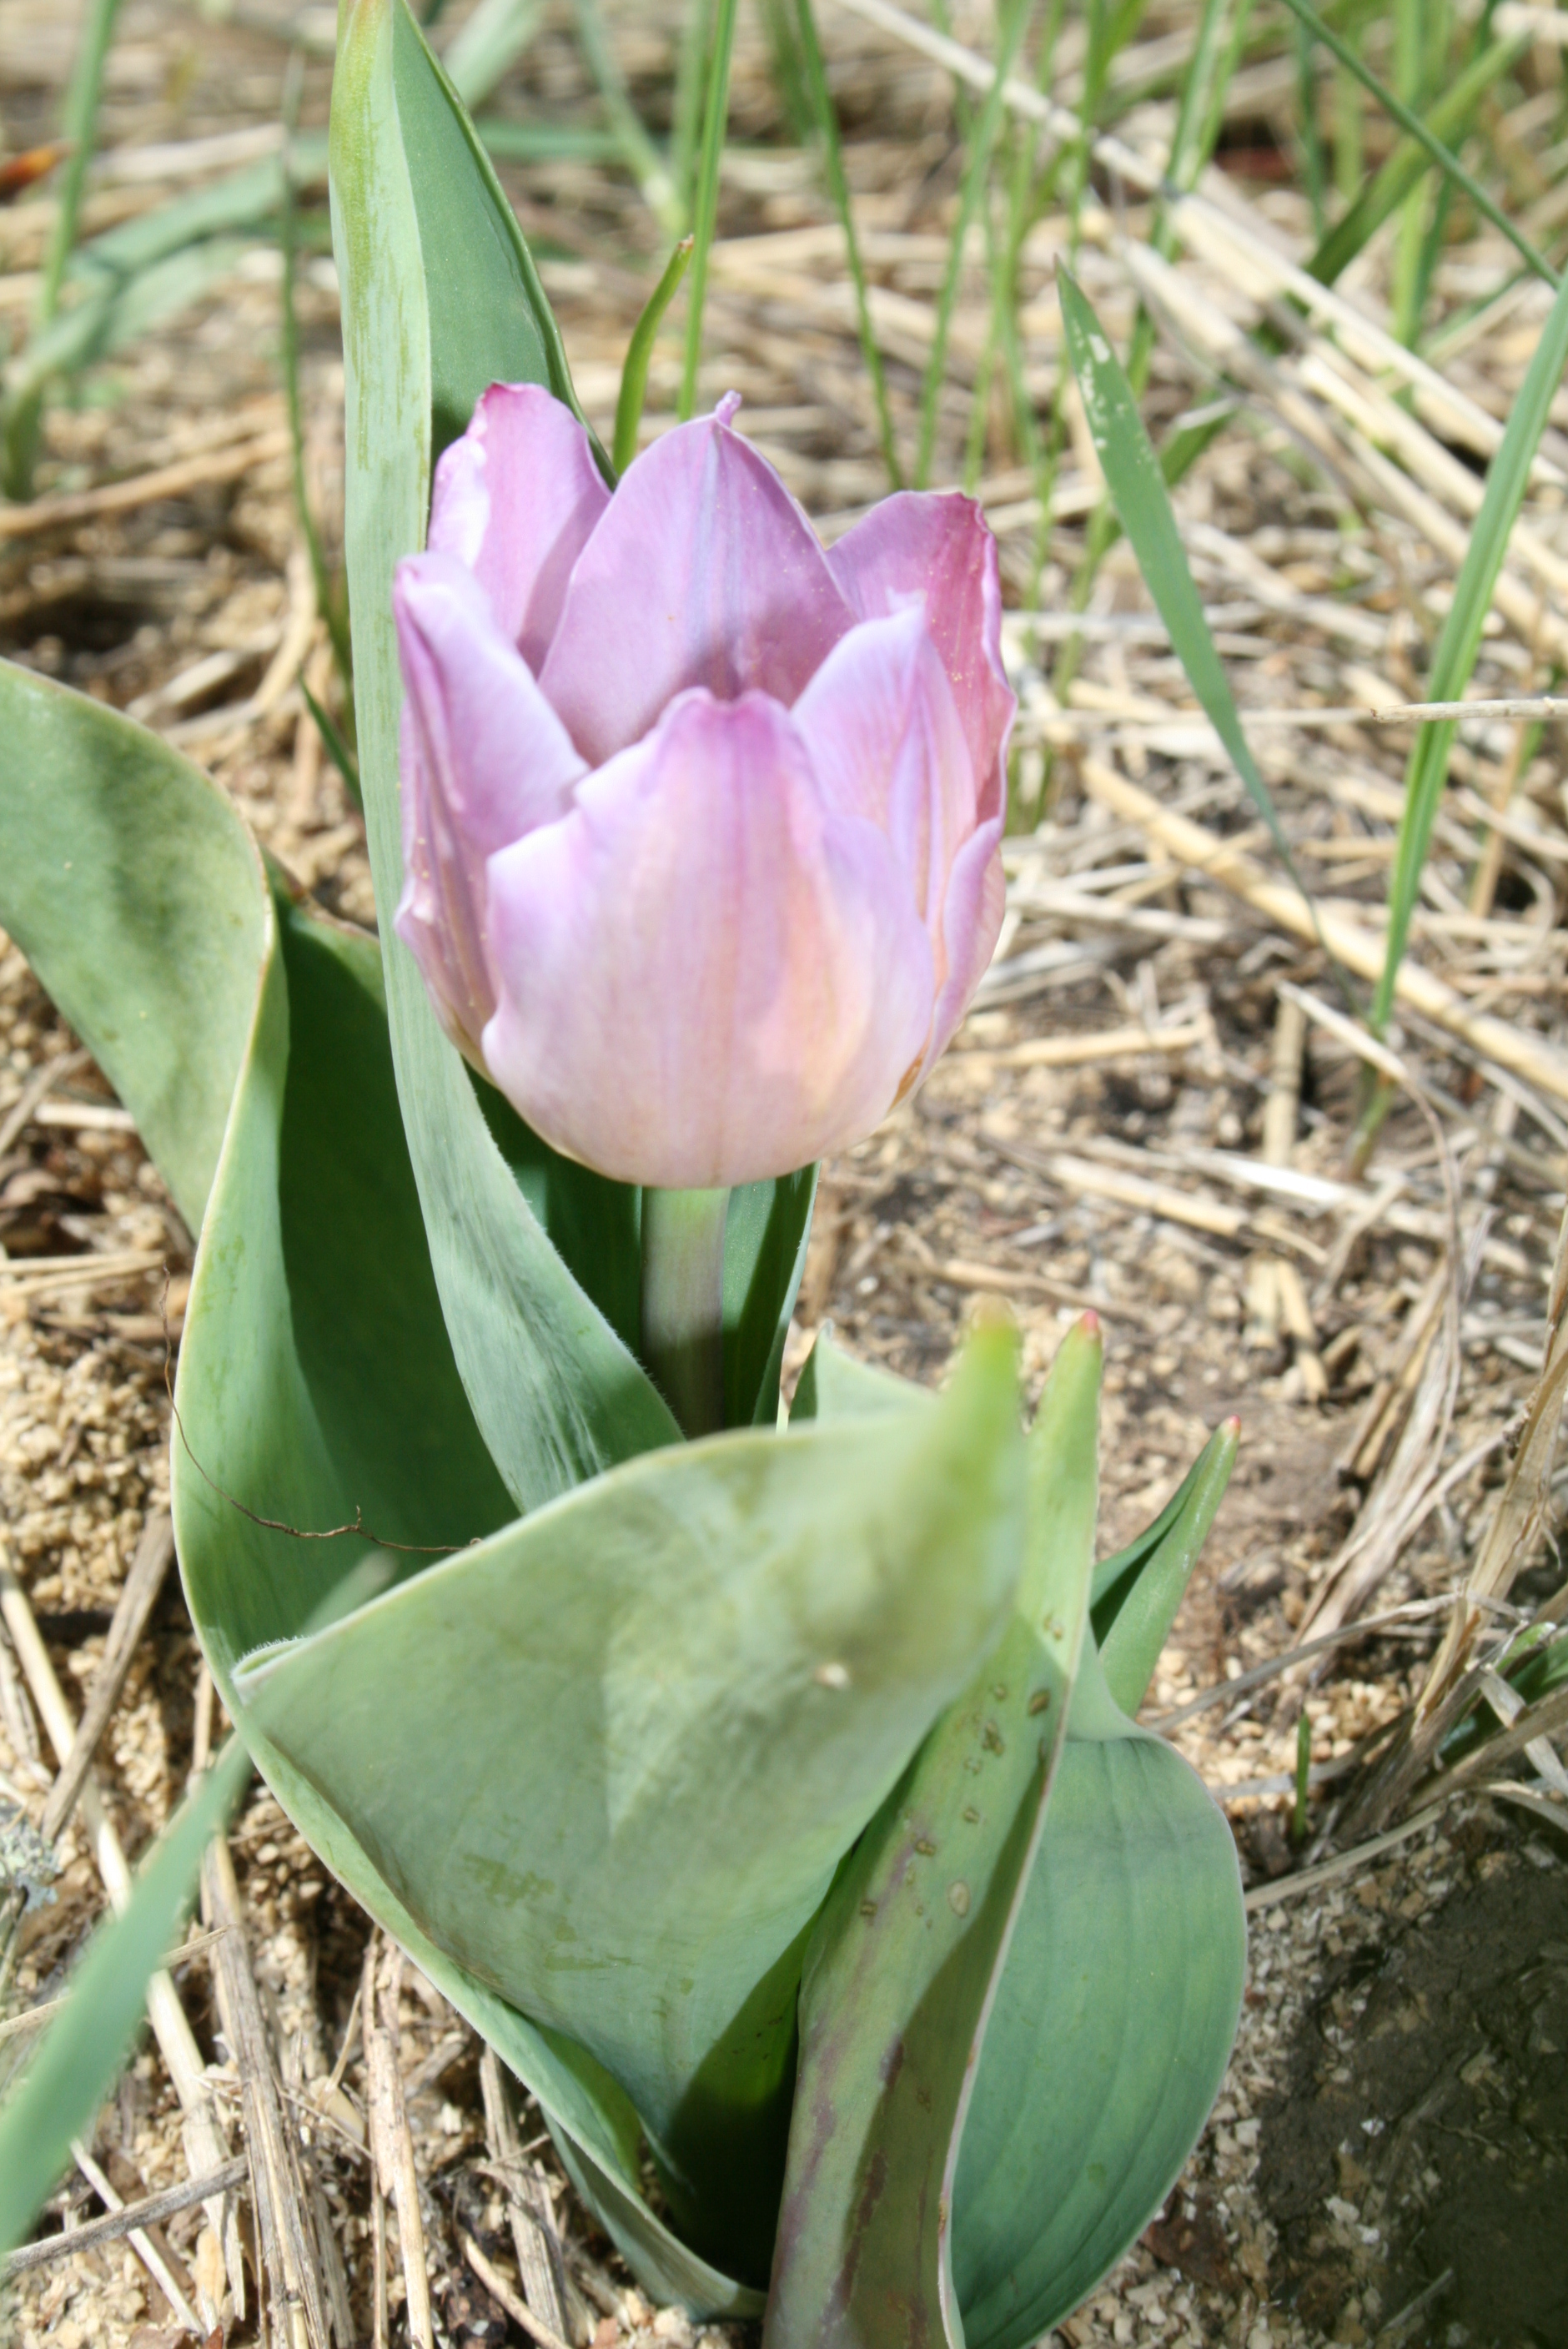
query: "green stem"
683, 1303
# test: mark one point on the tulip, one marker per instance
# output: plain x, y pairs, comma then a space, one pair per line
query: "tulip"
701, 823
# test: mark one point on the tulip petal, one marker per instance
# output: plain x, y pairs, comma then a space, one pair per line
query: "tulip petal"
706, 974
704, 572
516, 500
484, 758
936, 546
882, 728
972, 923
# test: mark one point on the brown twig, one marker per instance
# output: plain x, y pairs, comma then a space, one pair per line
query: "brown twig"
26, 1106
1533, 1057
534, 2239
387, 2118
134, 1606
155, 2208
142, 488
289, 2254
516, 2308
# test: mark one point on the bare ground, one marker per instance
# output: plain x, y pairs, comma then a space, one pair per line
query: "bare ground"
1120, 1180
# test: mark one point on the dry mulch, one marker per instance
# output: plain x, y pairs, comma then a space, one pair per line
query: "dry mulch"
1117, 1180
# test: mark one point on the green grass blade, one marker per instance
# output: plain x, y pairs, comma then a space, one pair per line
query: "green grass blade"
327, 603
24, 421
715, 117
686, 112
1506, 483
337, 750
1400, 178
1313, 162
79, 2058
977, 174
489, 45
790, 69
643, 159
1138, 488
1414, 127
1216, 48
546, 143
815, 74
639, 352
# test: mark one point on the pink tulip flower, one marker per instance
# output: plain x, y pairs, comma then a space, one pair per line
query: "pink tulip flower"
700, 822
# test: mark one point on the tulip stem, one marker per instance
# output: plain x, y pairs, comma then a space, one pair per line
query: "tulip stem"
683, 1303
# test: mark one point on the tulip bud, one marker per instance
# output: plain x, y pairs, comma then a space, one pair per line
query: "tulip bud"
701, 823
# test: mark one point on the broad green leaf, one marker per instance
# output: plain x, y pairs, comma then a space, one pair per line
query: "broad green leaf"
137, 895
834, 1385
317, 1389
558, 1394
1110, 2031
80, 2057
594, 1225
904, 1966
701, 1676
489, 321
1138, 491
1132, 1619
1507, 480
316, 1380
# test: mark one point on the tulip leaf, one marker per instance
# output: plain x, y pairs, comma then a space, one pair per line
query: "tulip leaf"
697, 1679
1110, 2033
488, 319
594, 1224
317, 1389
137, 895
556, 1391
80, 2057
765, 1237
1133, 1614
549, 1362
834, 1385
902, 1970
